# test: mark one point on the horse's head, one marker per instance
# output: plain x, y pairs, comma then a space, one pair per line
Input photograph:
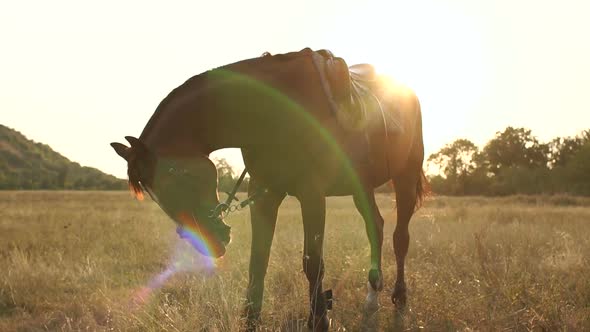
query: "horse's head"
186, 189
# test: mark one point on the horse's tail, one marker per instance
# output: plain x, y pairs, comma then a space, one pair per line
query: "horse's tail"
422, 189
422, 185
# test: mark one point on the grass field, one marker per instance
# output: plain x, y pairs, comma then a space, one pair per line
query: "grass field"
77, 261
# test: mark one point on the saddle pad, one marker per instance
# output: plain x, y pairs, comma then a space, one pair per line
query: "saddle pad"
353, 92
367, 110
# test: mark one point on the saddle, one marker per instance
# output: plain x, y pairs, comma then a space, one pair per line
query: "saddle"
351, 89
351, 92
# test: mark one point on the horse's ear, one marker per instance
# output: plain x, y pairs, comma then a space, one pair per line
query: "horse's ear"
121, 150
136, 144
133, 141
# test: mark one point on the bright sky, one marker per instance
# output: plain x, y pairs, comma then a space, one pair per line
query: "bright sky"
78, 75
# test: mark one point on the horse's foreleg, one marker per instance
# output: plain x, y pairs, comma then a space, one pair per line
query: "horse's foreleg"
366, 205
263, 217
406, 195
314, 212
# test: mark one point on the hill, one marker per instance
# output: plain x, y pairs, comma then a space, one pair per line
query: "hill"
25, 164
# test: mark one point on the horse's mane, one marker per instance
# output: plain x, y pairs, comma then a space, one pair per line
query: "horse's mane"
193, 82
188, 85
174, 93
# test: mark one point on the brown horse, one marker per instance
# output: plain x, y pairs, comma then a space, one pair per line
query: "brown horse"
276, 110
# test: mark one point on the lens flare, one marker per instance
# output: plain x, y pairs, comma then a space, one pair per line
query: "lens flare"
184, 259
201, 239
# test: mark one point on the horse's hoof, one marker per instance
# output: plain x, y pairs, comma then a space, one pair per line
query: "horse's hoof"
376, 279
318, 324
251, 326
399, 297
372, 300
252, 320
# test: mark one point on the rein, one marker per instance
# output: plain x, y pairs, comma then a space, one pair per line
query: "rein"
225, 208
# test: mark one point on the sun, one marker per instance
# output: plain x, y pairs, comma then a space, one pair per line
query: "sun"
434, 49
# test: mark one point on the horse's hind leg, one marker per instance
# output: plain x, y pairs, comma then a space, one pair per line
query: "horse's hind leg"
263, 218
406, 185
366, 205
313, 208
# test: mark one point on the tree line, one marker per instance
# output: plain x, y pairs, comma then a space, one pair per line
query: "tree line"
27, 165
513, 162
227, 177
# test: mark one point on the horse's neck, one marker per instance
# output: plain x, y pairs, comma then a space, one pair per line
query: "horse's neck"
193, 124
239, 105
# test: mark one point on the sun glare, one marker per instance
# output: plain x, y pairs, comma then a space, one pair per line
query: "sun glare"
435, 50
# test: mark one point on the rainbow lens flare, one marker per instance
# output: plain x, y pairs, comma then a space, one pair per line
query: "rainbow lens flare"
202, 240
184, 259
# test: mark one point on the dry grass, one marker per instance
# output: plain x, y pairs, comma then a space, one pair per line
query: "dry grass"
72, 261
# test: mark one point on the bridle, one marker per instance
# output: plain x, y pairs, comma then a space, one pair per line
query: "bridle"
221, 210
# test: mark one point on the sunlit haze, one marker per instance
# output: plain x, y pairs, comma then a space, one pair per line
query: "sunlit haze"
78, 75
